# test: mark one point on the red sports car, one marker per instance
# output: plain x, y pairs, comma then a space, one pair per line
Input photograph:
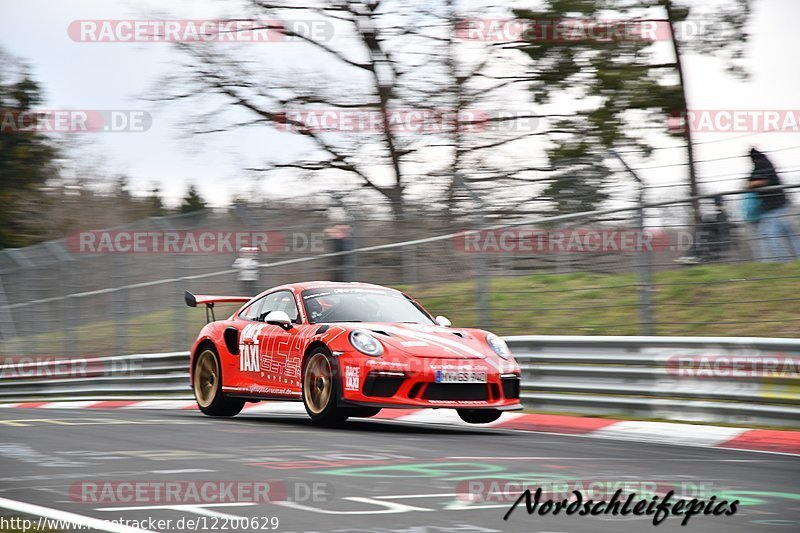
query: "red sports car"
347, 349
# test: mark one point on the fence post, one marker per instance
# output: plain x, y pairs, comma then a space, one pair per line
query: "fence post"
409, 262
481, 274
179, 326
28, 328
8, 332
645, 281
481, 287
71, 307
352, 258
65, 272
645, 285
120, 306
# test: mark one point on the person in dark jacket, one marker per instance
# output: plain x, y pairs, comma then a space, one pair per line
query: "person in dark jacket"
779, 239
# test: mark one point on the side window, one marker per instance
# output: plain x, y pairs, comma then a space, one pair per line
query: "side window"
279, 301
287, 305
253, 311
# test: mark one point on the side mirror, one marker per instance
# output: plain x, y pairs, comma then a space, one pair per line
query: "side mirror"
278, 318
443, 321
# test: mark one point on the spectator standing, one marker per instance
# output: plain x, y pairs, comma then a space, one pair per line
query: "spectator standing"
339, 238
247, 264
778, 238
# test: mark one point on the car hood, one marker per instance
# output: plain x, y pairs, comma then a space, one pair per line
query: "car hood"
428, 341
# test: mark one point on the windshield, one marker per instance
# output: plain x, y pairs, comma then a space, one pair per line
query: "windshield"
331, 304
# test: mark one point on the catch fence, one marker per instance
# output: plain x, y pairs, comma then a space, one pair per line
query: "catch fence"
596, 273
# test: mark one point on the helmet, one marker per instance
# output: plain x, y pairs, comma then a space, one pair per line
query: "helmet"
314, 308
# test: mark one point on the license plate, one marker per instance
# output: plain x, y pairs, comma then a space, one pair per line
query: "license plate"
460, 377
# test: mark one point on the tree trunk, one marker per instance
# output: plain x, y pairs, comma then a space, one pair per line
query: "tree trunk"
687, 130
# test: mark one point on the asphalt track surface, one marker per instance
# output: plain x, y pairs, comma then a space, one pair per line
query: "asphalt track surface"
369, 475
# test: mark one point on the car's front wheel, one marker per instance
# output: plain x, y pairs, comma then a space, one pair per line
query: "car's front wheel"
207, 386
321, 389
479, 416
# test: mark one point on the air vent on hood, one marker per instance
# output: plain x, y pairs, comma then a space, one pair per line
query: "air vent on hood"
380, 332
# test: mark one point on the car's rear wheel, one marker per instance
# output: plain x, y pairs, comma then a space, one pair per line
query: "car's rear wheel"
479, 416
207, 386
321, 389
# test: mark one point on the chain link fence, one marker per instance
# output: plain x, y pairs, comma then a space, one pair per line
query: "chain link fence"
597, 273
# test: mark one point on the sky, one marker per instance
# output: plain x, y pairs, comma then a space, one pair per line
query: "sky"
79, 75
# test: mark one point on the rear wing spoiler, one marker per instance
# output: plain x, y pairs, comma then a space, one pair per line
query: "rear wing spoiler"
193, 300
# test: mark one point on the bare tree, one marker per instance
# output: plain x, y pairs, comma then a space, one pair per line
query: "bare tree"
393, 60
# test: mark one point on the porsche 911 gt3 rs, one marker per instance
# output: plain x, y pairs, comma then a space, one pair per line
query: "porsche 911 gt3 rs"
347, 350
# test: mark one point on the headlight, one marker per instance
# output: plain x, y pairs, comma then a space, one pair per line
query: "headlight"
366, 343
498, 345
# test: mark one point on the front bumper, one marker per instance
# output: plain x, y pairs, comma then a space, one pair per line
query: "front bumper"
376, 384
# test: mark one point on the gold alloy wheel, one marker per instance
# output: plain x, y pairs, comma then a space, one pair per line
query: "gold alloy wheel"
317, 383
206, 375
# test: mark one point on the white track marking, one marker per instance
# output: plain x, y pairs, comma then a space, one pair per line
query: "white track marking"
668, 433
676, 434
182, 471
195, 509
161, 404
55, 514
69, 405
191, 508
450, 417
293, 408
543, 458
384, 507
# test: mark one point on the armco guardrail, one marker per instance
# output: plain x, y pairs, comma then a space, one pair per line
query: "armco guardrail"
136, 376
733, 380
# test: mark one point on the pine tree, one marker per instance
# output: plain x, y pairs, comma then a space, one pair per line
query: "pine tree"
192, 201
620, 85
